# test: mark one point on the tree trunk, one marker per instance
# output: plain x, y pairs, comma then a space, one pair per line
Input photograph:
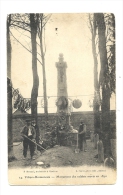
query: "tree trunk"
105, 108
9, 93
34, 93
96, 83
113, 24
44, 73
44, 90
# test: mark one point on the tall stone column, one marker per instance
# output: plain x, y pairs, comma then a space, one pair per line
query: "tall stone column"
62, 95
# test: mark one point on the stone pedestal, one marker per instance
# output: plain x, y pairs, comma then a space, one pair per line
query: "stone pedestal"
63, 115
100, 151
92, 136
113, 149
96, 139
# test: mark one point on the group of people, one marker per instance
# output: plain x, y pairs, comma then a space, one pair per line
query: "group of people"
29, 137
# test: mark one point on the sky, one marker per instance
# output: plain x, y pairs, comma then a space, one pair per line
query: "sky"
64, 33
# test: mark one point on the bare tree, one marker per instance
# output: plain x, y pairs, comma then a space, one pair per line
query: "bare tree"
22, 22
28, 23
102, 28
96, 101
34, 93
33, 23
9, 92
110, 46
41, 26
104, 82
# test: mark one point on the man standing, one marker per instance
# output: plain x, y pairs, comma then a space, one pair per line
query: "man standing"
82, 136
29, 135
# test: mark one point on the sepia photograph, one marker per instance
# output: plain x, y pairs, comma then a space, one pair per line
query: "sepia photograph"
61, 98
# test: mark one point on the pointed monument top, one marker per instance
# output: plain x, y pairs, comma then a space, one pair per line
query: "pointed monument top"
61, 62
61, 58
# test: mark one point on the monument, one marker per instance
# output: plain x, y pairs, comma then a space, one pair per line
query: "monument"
62, 95
67, 135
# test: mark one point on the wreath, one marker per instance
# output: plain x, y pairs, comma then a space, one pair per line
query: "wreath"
62, 102
77, 103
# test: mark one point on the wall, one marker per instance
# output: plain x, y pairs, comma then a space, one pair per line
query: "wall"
88, 117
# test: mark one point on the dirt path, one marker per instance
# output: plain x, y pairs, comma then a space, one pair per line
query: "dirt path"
59, 156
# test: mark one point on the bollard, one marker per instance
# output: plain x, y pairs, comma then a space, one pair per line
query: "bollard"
92, 136
100, 151
113, 149
109, 162
96, 139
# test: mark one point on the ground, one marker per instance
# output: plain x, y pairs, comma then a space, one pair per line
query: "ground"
58, 156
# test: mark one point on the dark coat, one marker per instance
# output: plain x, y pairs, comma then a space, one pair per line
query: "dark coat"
82, 130
25, 131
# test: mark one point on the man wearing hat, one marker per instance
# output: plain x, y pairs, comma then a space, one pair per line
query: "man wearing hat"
82, 136
28, 132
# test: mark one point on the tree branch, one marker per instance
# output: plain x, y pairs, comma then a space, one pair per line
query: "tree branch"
47, 18
91, 28
44, 43
37, 43
97, 53
20, 27
25, 47
20, 22
19, 42
23, 34
26, 41
97, 41
109, 56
